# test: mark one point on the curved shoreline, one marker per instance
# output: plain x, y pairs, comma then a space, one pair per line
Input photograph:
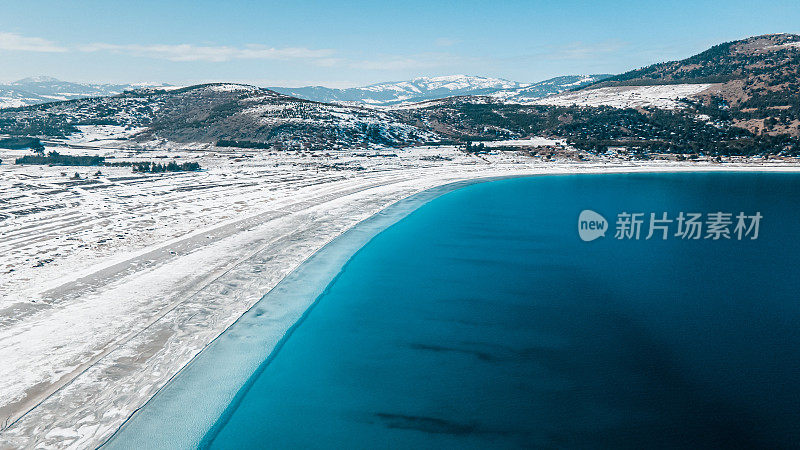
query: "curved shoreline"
232, 349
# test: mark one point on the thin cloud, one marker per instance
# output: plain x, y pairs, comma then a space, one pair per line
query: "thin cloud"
222, 53
420, 61
583, 51
446, 42
327, 62
17, 42
189, 52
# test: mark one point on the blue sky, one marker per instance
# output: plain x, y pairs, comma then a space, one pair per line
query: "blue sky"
339, 44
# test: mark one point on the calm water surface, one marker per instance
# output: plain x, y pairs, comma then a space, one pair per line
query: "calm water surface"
481, 320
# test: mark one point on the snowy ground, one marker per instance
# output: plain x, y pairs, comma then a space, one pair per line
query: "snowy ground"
661, 96
530, 142
111, 283
102, 135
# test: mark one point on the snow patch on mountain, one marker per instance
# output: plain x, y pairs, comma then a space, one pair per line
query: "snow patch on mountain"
232, 87
787, 45
659, 96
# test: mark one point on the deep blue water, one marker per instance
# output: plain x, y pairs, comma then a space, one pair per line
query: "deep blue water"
482, 320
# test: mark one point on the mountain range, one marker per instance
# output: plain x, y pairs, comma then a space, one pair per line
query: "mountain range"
36, 90
431, 88
737, 98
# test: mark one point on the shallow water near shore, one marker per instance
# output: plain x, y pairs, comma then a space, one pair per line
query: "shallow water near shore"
482, 320
183, 410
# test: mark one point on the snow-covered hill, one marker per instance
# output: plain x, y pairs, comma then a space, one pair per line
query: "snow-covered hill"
237, 114
35, 90
432, 88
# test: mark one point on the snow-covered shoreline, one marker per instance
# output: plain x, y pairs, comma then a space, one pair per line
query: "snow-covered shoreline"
84, 349
222, 368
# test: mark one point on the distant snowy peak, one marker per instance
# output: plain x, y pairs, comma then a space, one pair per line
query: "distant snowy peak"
37, 79
434, 88
395, 92
451, 83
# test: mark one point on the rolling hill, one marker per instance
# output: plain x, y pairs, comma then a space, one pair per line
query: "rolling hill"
211, 113
754, 83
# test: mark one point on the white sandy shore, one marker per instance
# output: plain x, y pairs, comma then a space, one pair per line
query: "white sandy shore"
117, 285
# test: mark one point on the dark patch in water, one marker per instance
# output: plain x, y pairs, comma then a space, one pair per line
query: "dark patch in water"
425, 424
491, 353
437, 348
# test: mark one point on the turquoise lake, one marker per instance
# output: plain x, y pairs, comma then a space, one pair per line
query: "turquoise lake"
481, 320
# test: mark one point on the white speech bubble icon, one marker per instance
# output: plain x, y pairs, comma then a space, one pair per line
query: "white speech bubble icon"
591, 225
